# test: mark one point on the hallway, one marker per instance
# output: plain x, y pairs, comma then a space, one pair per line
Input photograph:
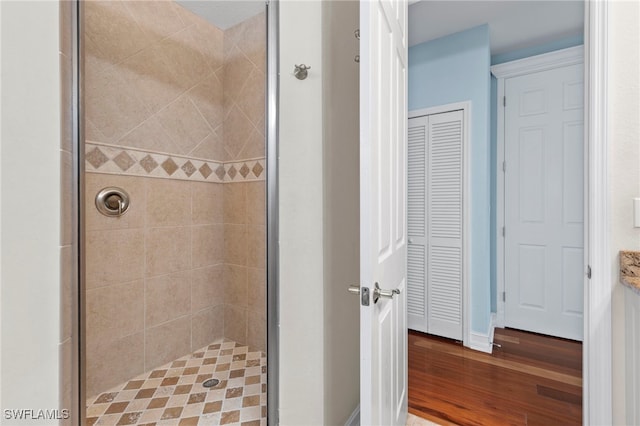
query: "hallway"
531, 379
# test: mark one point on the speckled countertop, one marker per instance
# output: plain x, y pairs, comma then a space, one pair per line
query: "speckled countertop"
630, 269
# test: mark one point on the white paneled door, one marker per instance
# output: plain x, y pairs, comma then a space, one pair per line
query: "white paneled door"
544, 148
383, 237
435, 224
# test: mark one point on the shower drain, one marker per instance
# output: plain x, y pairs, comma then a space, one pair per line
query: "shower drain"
211, 383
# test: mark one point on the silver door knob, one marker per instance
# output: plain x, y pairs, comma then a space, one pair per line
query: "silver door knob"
354, 289
388, 294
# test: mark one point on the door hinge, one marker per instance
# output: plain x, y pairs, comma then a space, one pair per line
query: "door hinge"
504, 166
504, 296
589, 271
504, 231
504, 101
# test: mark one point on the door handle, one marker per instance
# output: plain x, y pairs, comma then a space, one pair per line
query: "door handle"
354, 289
388, 294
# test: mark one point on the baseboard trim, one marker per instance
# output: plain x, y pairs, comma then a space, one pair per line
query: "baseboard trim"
354, 418
483, 342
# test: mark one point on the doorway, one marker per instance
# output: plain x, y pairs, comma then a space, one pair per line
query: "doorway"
174, 222
448, 76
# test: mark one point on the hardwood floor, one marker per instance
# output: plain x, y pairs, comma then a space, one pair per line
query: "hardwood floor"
531, 380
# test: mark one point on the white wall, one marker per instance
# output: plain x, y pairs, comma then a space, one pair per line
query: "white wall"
624, 142
342, 210
301, 216
30, 201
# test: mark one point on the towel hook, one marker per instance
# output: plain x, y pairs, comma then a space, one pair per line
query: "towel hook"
301, 72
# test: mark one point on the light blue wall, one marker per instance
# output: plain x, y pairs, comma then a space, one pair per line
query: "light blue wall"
455, 69
499, 59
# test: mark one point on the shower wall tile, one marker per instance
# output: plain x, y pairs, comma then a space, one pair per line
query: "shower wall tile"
256, 326
113, 312
167, 342
135, 215
235, 245
206, 326
256, 246
66, 383
207, 203
207, 247
113, 362
167, 250
256, 203
257, 294
235, 321
167, 297
207, 287
114, 256
236, 285
168, 202
235, 203
66, 292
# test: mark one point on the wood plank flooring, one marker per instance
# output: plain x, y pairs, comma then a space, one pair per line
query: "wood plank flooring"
531, 380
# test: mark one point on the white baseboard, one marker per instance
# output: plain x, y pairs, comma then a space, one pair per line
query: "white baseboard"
354, 418
483, 342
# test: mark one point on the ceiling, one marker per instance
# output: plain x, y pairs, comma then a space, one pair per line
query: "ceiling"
513, 24
224, 13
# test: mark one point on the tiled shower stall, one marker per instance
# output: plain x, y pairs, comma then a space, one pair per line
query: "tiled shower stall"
175, 116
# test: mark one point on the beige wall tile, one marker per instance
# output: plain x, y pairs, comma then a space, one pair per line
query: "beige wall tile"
66, 118
209, 39
235, 203
114, 362
110, 23
134, 216
167, 342
66, 373
66, 293
235, 285
207, 96
253, 41
251, 99
167, 297
256, 246
211, 147
112, 105
114, 256
167, 250
65, 27
237, 130
235, 244
66, 198
184, 124
113, 312
207, 326
235, 323
183, 51
208, 244
256, 332
257, 291
254, 146
207, 203
158, 19
149, 135
153, 77
168, 202
236, 71
256, 203
207, 287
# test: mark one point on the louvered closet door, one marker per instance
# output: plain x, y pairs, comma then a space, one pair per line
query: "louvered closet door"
444, 224
417, 224
435, 219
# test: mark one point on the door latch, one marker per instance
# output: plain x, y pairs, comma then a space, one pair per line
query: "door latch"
362, 291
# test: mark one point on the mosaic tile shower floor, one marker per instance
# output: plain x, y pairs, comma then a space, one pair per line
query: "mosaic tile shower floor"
174, 395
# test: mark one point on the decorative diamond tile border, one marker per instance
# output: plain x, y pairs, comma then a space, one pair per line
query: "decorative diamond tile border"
173, 394
112, 159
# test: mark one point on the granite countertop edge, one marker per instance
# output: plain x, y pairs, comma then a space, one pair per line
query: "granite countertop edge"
630, 269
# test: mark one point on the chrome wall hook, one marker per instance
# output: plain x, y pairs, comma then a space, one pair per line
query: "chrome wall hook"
301, 72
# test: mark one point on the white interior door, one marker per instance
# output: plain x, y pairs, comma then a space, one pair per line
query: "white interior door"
435, 223
383, 241
544, 148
